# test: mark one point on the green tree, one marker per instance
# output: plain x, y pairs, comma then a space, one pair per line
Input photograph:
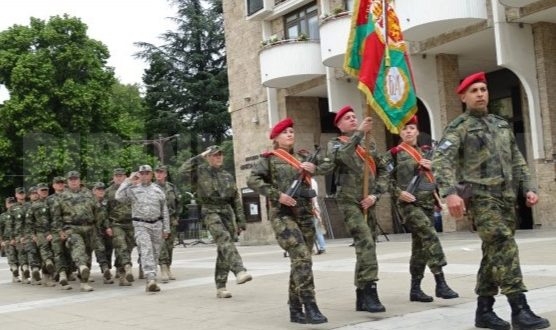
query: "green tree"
186, 82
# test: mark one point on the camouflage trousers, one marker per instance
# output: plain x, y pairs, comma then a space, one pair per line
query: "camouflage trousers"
11, 255
45, 248
148, 238
167, 248
426, 249
103, 249
500, 269
123, 241
80, 244
228, 258
363, 232
28, 253
62, 255
296, 235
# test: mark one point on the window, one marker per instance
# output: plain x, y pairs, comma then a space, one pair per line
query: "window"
303, 21
254, 6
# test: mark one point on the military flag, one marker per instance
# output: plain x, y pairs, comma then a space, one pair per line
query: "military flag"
377, 55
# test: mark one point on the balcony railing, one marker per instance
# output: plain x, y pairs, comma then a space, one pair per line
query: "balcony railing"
334, 33
287, 63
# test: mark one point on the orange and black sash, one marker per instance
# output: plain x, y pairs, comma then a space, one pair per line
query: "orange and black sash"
294, 162
416, 155
362, 153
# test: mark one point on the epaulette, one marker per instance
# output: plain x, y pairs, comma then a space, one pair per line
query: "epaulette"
499, 118
457, 121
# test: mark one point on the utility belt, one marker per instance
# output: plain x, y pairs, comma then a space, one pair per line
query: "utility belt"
147, 220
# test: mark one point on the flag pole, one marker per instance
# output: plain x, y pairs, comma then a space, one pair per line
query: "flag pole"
385, 20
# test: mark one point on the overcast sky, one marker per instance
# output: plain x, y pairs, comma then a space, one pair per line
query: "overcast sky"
116, 23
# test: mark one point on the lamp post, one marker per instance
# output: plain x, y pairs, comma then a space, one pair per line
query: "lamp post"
158, 143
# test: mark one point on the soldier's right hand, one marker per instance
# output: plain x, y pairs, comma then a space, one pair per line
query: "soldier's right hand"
109, 232
63, 235
366, 124
456, 206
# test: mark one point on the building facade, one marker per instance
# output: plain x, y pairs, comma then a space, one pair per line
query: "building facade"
285, 58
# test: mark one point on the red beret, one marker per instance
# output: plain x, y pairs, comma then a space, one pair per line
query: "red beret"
413, 121
280, 127
470, 80
341, 113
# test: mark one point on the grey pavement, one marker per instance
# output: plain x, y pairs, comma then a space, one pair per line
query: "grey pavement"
190, 301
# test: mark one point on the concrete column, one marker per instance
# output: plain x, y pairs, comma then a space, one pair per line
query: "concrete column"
447, 74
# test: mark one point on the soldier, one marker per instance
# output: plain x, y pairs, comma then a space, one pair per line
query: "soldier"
62, 257
479, 149
74, 215
348, 159
121, 229
173, 199
291, 217
102, 241
39, 220
8, 239
222, 212
18, 212
151, 222
417, 210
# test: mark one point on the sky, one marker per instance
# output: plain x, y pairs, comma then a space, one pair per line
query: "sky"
116, 23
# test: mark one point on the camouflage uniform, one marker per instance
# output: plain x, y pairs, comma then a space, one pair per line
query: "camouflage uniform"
348, 169
150, 220
417, 216
62, 255
293, 226
103, 243
8, 238
27, 257
174, 209
222, 214
119, 219
482, 151
39, 221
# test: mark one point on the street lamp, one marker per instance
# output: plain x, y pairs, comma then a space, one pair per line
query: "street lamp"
158, 143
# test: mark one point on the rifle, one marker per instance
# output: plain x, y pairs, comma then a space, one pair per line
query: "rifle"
416, 180
294, 187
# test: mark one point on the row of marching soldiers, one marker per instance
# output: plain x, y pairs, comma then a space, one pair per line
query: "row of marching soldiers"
49, 238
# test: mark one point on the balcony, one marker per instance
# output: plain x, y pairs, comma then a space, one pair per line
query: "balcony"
290, 62
334, 33
433, 17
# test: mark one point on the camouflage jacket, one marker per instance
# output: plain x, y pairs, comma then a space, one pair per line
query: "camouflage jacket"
118, 212
216, 190
102, 215
73, 208
6, 226
18, 212
148, 202
38, 218
173, 198
482, 151
348, 168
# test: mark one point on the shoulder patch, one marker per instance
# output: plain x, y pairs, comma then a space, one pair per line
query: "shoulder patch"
444, 144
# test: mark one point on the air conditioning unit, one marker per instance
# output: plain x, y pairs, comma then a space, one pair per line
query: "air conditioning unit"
257, 10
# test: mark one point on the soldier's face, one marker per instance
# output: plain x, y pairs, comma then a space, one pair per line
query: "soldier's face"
33, 196
409, 134
118, 178
286, 138
20, 196
43, 193
348, 123
99, 193
58, 186
476, 96
216, 160
160, 176
74, 183
146, 176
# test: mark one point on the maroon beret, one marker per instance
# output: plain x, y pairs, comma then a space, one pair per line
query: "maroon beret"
280, 127
470, 80
341, 113
413, 121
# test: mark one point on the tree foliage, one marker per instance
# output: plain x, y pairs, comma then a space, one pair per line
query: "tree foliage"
66, 110
186, 82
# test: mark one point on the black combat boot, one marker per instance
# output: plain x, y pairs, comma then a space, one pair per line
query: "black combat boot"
522, 315
442, 288
485, 316
416, 294
313, 314
358, 299
296, 310
370, 301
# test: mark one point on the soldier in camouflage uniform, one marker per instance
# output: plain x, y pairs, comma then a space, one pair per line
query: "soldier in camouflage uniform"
151, 221
74, 217
62, 257
102, 241
291, 217
222, 213
346, 155
121, 229
39, 222
417, 211
18, 212
173, 199
8, 239
479, 149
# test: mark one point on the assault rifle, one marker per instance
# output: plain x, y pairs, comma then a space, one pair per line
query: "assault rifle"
416, 180
294, 187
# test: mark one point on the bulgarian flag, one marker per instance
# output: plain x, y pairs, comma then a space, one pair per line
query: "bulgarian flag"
377, 55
